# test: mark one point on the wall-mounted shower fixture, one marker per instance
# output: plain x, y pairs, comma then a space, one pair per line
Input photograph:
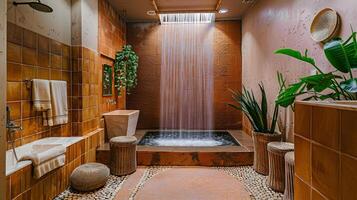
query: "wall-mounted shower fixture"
36, 5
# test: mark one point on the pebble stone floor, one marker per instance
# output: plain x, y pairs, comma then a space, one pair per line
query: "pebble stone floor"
182, 183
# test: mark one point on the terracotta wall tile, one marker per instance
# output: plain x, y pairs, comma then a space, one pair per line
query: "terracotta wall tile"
13, 91
29, 72
13, 52
14, 33
43, 59
66, 50
27, 109
56, 74
301, 190
30, 39
15, 108
43, 73
65, 63
56, 61
29, 126
29, 56
13, 72
317, 196
325, 171
43, 44
348, 132
15, 184
348, 177
326, 126
56, 47
25, 92
302, 121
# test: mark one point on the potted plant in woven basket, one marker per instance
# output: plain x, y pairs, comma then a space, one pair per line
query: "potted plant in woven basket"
263, 131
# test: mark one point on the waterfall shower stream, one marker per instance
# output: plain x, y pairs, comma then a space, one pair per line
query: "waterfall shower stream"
186, 84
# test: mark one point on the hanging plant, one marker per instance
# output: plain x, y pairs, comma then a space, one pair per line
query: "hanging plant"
125, 69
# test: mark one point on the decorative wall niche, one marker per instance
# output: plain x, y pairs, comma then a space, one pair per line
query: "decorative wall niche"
107, 80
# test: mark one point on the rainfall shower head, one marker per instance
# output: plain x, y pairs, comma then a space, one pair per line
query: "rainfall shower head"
37, 5
187, 18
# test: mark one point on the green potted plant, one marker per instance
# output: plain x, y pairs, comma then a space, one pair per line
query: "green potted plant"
336, 85
263, 131
333, 111
125, 69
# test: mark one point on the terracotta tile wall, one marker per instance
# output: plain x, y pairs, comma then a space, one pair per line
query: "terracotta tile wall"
21, 185
30, 56
111, 30
85, 86
146, 40
111, 40
325, 153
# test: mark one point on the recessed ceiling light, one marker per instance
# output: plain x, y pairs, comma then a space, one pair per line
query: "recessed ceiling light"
151, 12
223, 10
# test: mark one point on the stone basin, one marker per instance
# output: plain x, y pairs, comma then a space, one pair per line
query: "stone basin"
121, 122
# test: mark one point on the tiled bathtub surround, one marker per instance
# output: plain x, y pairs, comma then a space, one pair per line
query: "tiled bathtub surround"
325, 151
30, 56
21, 185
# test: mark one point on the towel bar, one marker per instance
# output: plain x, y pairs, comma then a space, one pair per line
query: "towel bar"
28, 83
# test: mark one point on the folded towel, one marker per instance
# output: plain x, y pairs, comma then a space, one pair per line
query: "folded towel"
45, 167
58, 103
41, 97
41, 153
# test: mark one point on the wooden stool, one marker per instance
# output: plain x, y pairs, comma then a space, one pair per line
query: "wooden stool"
122, 155
276, 153
289, 176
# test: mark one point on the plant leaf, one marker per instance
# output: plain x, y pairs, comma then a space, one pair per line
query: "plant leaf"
336, 54
296, 54
349, 85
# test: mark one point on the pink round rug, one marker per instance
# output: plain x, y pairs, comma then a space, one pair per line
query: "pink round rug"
192, 183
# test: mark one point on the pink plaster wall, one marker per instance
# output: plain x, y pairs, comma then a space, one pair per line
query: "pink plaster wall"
273, 24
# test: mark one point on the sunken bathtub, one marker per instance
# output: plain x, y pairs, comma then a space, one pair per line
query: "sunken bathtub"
189, 148
19, 175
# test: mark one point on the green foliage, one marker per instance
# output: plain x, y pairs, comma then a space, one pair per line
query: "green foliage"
125, 69
255, 112
322, 86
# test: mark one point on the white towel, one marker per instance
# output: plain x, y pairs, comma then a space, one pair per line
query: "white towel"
41, 153
41, 97
58, 103
45, 167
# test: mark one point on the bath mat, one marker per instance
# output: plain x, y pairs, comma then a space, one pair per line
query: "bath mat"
148, 174
255, 183
107, 192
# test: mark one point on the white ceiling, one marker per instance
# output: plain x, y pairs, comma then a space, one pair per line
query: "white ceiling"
135, 10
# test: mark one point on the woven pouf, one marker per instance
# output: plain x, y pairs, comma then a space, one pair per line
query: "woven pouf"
276, 153
289, 176
89, 177
122, 155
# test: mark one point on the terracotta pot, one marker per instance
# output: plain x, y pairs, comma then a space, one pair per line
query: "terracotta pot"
260, 141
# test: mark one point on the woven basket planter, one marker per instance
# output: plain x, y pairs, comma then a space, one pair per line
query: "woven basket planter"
260, 141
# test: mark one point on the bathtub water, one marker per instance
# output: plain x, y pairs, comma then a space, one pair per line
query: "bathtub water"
12, 165
188, 139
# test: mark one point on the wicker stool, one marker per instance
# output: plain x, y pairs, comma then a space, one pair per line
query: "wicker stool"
276, 153
289, 176
122, 155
